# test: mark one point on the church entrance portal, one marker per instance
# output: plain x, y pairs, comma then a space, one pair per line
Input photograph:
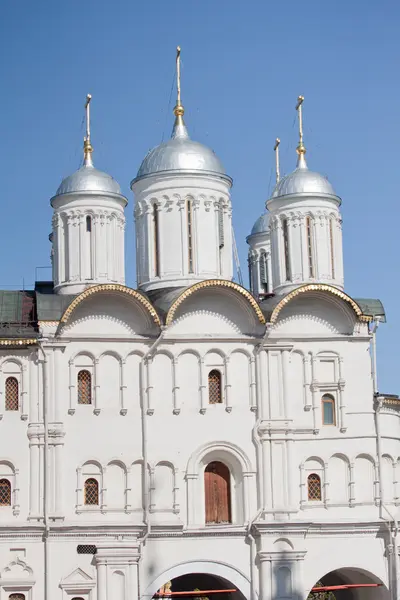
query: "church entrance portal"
193, 582
350, 576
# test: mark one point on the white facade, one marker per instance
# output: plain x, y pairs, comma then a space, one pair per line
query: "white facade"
118, 414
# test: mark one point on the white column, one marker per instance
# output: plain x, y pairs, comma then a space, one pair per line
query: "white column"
253, 398
133, 580
228, 400
307, 382
266, 460
203, 391
149, 388
265, 578
123, 408
175, 387
128, 495
58, 473
286, 392
191, 498
34, 478
352, 485
102, 581
269, 274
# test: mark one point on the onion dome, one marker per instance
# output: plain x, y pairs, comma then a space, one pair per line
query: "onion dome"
88, 178
180, 154
303, 181
261, 225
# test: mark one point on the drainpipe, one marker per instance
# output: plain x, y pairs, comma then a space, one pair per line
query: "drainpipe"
146, 481
382, 506
46, 475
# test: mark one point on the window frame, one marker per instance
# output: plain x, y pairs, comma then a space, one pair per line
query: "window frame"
221, 394
87, 481
10, 487
316, 475
17, 382
90, 403
328, 398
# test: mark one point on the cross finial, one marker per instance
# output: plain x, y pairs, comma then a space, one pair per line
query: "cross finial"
87, 146
301, 149
277, 168
178, 110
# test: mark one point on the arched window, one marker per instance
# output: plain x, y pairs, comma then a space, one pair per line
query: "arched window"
17, 597
314, 487
189, 211
328, 410
217, 486
156, 240
285, 231
332, 246
263, 270
310, 250
84, 387
88, 224
91, 492
12, 393
5, 492
214, 387
76, 598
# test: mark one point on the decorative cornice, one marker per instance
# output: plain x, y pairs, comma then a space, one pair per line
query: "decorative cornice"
215, 283
320, 287
108, 287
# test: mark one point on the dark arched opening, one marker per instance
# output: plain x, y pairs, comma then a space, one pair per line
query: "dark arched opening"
350, 576
196, 582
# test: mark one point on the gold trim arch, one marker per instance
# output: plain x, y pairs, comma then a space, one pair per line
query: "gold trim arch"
215, 283
109, 287
321, 287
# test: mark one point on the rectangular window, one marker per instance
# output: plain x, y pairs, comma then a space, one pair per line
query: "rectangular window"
332, 248
286, 248
156, 242
328, 410
310, 247
189, 211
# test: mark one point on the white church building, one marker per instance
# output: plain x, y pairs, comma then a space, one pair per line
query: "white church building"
192, 434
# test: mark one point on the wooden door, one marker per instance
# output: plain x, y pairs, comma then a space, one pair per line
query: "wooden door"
217, 487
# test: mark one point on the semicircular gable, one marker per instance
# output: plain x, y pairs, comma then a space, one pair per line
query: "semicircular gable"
218, 300
109, 309
316, 314
328, 289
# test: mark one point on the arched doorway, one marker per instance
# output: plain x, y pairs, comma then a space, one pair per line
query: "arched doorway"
350, 576
217, 487
196, 582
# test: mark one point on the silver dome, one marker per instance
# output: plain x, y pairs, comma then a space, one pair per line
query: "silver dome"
180, 153
303, 181
261, 225
89, 179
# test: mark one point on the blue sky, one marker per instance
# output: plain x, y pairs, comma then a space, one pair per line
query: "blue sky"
243, 66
